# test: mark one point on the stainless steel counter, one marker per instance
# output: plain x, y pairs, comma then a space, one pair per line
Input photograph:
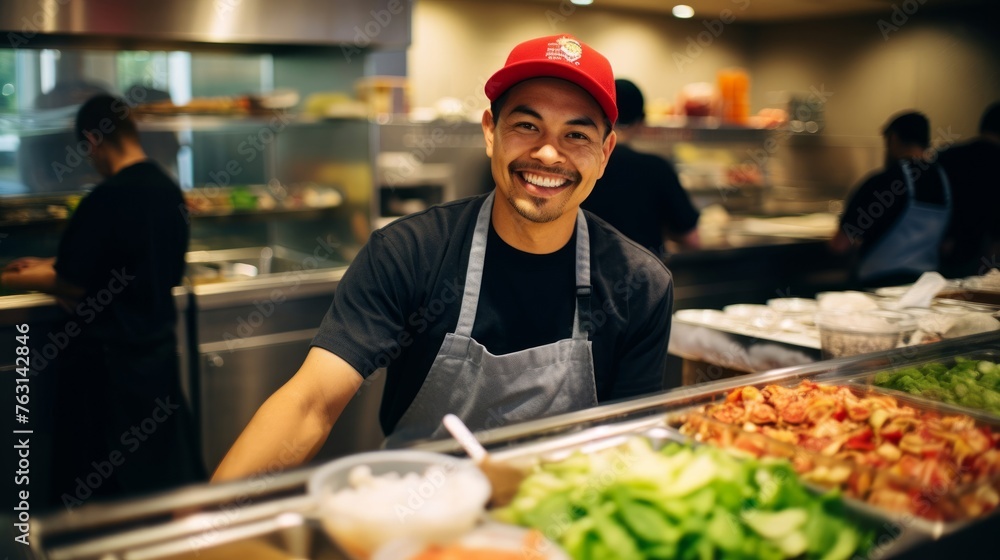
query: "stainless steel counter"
734, 266
239, 341
273, 513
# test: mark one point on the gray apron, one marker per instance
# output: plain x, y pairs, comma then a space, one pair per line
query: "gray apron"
912, 244
488, 391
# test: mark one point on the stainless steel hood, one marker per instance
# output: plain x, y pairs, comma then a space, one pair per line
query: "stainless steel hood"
354, 24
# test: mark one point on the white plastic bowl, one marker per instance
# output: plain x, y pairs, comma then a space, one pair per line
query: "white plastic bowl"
752, 314
793, 305
416, 494
845, 301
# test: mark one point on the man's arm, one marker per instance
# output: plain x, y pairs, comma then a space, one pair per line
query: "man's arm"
294, 422
30, 274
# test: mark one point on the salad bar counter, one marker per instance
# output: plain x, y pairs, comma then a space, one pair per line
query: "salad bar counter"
872, 456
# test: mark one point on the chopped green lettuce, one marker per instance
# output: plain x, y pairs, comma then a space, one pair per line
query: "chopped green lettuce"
634, 502
969, 383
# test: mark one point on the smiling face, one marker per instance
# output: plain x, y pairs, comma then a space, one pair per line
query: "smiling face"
548, 148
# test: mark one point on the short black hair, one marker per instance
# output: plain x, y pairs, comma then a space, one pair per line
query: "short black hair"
911, 127
991, 119
631, 106
108, 118
497, 105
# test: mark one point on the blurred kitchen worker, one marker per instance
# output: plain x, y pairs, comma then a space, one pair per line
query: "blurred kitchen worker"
640, 193
973, 239
897, 217
499, 308
119, 410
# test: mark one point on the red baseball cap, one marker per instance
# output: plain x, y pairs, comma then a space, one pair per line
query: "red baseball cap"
558, 56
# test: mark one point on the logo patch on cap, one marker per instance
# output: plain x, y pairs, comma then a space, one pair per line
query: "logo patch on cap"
565, 48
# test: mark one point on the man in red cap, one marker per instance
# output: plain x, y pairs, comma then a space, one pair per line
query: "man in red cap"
500, 308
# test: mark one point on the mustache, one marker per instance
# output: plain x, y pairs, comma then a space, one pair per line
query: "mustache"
515, 167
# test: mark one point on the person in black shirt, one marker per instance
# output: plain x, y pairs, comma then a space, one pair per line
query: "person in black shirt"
896, 218
120, 412
640, 194
973, 239
499, 308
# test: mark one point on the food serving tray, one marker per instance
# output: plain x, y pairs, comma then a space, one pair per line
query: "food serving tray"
955, 380
893, 533
266, 518
947, 497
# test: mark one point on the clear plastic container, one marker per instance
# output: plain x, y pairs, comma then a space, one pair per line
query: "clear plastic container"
849, 333
367, 500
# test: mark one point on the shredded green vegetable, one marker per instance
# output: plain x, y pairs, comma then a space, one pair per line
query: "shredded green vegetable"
969, 383
635, 503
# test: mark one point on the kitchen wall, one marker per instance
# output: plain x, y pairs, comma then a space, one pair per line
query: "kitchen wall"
457, 44
942, 63
939, 60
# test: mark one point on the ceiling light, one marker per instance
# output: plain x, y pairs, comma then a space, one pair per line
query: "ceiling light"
682, 11
582, 2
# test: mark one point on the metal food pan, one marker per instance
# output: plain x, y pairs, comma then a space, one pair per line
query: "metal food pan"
949, 360
280, 530
894, 534
947, 508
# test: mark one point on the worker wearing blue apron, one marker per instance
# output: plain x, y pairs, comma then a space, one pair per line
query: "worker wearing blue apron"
912, 244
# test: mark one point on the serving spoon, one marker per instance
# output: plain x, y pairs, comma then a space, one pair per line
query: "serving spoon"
505, 479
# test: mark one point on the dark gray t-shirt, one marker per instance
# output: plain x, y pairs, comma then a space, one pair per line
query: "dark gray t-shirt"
402, 295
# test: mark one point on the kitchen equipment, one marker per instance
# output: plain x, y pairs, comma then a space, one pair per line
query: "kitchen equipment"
847, 333
365, 501
504, 479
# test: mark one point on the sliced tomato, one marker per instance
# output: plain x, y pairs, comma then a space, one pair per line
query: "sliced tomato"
892, 436
840, 414
863, 441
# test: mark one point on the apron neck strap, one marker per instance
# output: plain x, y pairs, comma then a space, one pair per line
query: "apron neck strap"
582, 323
